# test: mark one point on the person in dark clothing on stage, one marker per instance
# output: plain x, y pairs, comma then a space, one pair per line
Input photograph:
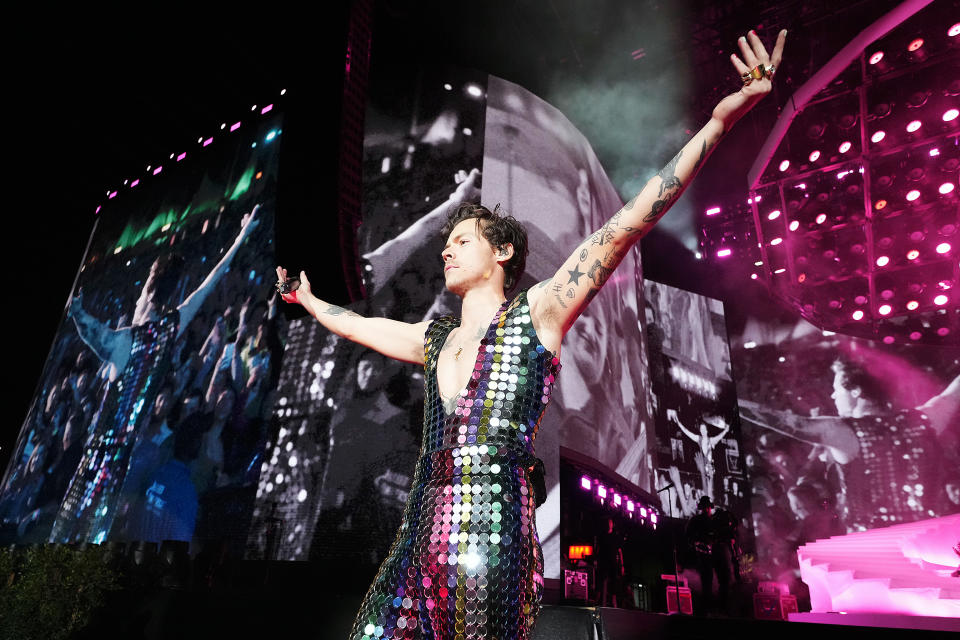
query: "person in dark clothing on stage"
713, 535
610, 566
466, 561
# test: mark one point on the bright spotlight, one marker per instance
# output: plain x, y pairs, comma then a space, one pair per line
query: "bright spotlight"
723, 253
712, 211
912, 195
950, 114
913, 254
913, 126
876, 57
940, 300
845, 146
878, 136
814, 156
784, 165
858, 314
885, 309
775, 242
915, 44
474, 91
883, 261
954, 30
943, 247
773, 215
821, 218
913, 305
794, 225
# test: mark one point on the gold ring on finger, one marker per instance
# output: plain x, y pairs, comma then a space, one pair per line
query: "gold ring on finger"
757, 72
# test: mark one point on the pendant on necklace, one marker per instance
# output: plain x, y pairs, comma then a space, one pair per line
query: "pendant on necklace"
456, 356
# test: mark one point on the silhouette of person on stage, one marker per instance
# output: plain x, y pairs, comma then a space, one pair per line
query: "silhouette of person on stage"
712, 533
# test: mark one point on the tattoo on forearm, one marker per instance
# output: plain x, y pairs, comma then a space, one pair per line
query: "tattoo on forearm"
583, 255
557, 288
575, 273
703, 154
599, 273
543, 283
334, 310
571, 292
668, 177
607, 230
560, 300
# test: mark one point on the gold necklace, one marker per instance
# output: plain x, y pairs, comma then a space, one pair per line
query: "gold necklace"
456, 356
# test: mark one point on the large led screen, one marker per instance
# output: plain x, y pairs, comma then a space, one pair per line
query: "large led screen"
149, 420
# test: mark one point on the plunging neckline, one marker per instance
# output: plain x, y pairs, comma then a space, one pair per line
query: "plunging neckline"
479, 356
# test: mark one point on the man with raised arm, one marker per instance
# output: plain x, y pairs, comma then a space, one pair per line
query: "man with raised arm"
138, 357
466, 561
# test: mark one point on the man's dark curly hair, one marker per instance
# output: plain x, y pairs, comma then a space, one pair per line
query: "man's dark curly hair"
499, 230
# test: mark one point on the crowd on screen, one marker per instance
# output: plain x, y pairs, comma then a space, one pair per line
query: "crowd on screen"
204, 434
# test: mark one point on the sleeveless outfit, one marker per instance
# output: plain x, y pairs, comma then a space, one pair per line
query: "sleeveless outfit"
89, 506
466, 562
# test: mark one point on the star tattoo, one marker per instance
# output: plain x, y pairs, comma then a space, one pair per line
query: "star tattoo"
575, 274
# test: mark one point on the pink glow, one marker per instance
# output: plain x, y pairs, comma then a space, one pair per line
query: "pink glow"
99, 206
602, 491
235, 126
158, 170
942, 331
135, 183
934, 152
915, 44
912, 195
181, 156
753, 276
266, 109
950, 114
757, 198
784, 165
773, 215
876, 57
885, 309
821, 218
712, 211
889, 339
913, 305
653, 517
722, 253
915, 335
780, 270
845, 146
617, 500
585, 483
208, 141
883, 261
775, 242
630, 506
913, 126
943, 247
794, 225
858, 315
940, 300
954, 30
814, 156
913, 254
946, 187
878, 136
112, 195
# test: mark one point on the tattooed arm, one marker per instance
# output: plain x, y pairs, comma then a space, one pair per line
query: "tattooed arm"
394, 339
558, 302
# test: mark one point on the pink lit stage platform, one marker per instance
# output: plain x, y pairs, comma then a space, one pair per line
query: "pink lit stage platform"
898, 576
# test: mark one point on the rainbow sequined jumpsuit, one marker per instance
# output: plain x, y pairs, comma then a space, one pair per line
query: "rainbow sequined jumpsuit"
466, 562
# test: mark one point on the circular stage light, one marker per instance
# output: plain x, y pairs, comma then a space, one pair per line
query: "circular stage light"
878, 136
879, 204
883, 261
821, 218
858, 314
913, 254
794, 225
784, 165
814, 156
954, 30
773, 215
915, 44
913, 126
845, 146
950, 114
876, 57
942, 331
940, 300
912, 195
885, 309
775, 242
946, 188
915, 335
943, 247
913, 305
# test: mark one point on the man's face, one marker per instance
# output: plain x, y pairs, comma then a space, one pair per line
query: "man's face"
468, 259
364, 374
842, 397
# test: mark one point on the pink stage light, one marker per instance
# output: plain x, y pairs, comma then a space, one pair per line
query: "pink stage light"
954, 30
757, 199
943, 247
940, 300
135, 183
934, 152
112, 195
753, 276
950, 114
617, 499
888, 339
814, 156
845, 146
208, 141
915, 44
712, 211
723, 253
266, 109
913, 254
915, 335
99, 206
946, 187
773, 215
885, 309
913, 305
235, 126
858, 315
912, 195
784, 165
181, 156
630, 506
643, 512
653, 517
876, 57
878, 136
602, 491
585, 483
794, 225
780, 270
158, 170
942, 331
821, 218
775, 242
913, 126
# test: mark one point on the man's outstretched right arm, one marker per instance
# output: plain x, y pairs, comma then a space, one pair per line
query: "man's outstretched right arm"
398, 340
